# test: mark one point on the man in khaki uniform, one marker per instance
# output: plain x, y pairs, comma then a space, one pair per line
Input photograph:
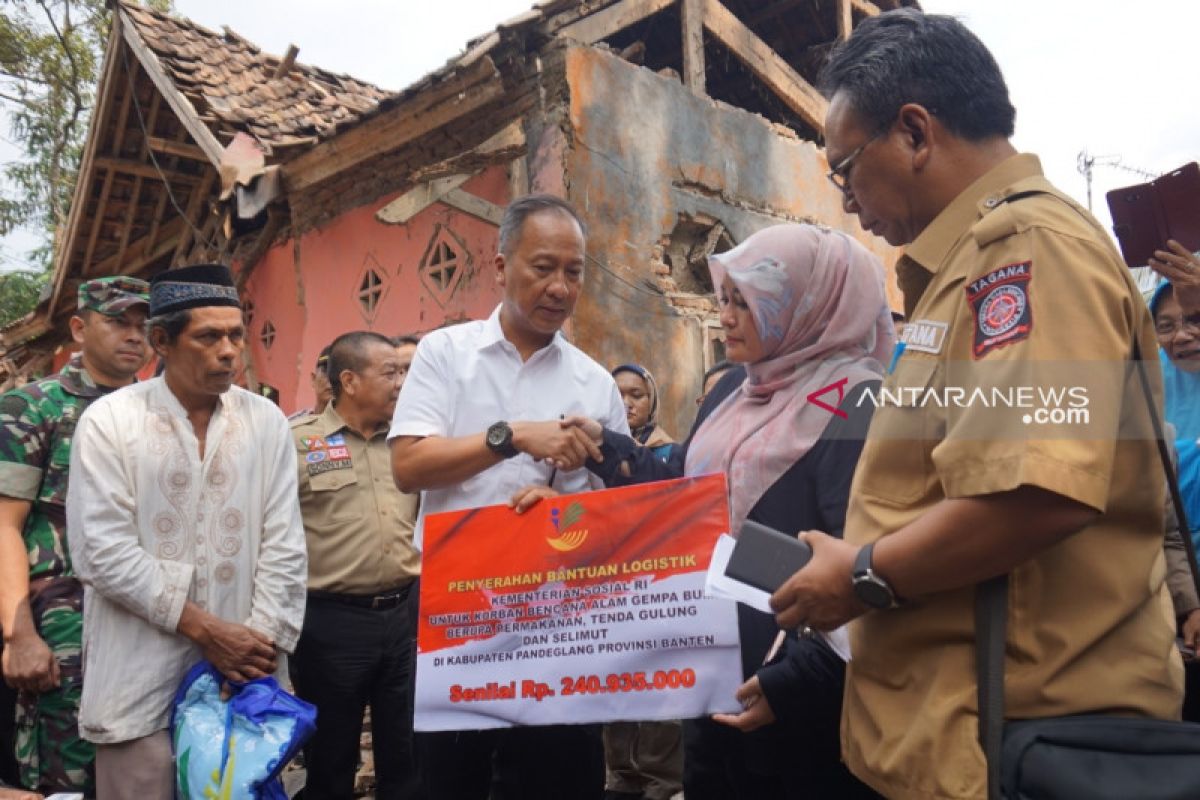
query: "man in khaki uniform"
356, 648
1007, 284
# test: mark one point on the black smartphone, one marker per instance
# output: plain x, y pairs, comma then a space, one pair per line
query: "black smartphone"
765, 558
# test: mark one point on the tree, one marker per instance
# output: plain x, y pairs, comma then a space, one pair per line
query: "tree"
19, 293
50, 54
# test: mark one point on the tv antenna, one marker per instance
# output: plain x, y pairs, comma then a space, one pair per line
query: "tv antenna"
1088, 162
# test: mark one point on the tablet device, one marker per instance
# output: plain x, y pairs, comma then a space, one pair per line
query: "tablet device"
765, 558
1145, 216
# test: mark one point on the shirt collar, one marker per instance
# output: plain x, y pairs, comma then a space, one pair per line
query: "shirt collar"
76, 380
931, 247
176, 408
330, 422
493, 334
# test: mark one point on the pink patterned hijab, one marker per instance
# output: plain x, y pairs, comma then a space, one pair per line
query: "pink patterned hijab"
818, 303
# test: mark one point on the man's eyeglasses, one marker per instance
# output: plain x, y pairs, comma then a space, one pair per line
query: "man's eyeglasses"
1166, 328
839, 175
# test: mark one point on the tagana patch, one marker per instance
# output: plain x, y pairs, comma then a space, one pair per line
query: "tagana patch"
1000, 304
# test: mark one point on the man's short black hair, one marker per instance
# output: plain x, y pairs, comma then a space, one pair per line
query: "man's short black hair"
522, 209
172, 324
907, 56
349, 352
407, 338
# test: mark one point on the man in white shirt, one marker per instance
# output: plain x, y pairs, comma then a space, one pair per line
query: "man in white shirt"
184, 526
477, 424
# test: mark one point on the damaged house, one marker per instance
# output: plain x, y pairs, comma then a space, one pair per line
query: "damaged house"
677, 127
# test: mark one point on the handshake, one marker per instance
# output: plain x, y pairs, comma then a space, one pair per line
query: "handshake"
564, 444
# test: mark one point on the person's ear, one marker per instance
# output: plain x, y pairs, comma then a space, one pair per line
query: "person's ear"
349, 381
77, 324
158, 342
501, 273
917, 126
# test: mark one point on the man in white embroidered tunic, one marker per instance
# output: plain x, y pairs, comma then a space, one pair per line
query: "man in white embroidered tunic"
185, 528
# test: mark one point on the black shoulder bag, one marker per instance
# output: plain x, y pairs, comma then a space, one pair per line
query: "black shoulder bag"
1085, 756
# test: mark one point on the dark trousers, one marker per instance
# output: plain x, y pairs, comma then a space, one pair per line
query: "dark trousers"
350, 657
1191, 691
8, 744
797, 757
559, 762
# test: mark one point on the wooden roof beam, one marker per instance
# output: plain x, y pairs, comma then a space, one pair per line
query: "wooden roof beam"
64, 246
161, 207
168, 147
182, 107
141, 169
142, 252
692, 12
866, 8
195, 203
766, 65
425, 112
845, 19
615, 18
136, 195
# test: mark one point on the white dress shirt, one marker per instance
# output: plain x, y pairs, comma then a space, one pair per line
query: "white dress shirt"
466, 377
151, 526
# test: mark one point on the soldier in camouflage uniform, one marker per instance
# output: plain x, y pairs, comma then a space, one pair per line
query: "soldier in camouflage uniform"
41, 600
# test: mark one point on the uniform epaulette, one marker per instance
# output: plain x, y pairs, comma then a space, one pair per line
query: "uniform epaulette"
301, 419
1003, 217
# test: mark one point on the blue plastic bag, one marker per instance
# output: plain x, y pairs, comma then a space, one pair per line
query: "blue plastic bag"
235, 749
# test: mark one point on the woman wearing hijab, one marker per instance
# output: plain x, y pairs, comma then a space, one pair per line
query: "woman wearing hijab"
640, 394
1177, 325
802, 307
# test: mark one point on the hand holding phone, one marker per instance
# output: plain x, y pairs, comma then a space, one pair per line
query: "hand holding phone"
765, 558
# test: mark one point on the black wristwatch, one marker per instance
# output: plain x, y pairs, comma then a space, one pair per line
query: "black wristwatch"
499, 440
869, 586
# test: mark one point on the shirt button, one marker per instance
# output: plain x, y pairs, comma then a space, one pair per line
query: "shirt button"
992, 202
199, 540
201, 561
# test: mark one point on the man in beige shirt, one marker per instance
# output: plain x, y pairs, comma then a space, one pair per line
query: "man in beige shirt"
356, 648
1010, 286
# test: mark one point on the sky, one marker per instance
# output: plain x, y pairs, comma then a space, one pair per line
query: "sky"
1118, 81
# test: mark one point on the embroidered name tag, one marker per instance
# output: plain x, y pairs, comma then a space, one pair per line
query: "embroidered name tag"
1000, 304
924, 335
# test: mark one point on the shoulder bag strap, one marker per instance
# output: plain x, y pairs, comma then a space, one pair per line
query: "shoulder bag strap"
1185, 530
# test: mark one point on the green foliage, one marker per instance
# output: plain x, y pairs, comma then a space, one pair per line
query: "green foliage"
19, 292
51, 54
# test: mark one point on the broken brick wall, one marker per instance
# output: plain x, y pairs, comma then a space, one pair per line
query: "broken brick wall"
660, 174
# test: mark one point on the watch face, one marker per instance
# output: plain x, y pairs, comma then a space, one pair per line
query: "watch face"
872, 593
495, 436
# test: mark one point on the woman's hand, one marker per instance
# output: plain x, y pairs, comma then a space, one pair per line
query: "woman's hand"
593, 429
1182, 269
529, 496
756, 711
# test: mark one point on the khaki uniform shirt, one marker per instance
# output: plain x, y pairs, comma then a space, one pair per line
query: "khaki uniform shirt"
1012, 284
359, 526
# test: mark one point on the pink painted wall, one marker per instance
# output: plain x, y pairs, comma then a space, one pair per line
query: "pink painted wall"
314, 303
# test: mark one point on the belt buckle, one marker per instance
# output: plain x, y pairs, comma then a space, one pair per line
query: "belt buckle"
377, 601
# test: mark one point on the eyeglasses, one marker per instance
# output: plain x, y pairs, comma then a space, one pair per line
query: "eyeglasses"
839, 175
1166, 328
